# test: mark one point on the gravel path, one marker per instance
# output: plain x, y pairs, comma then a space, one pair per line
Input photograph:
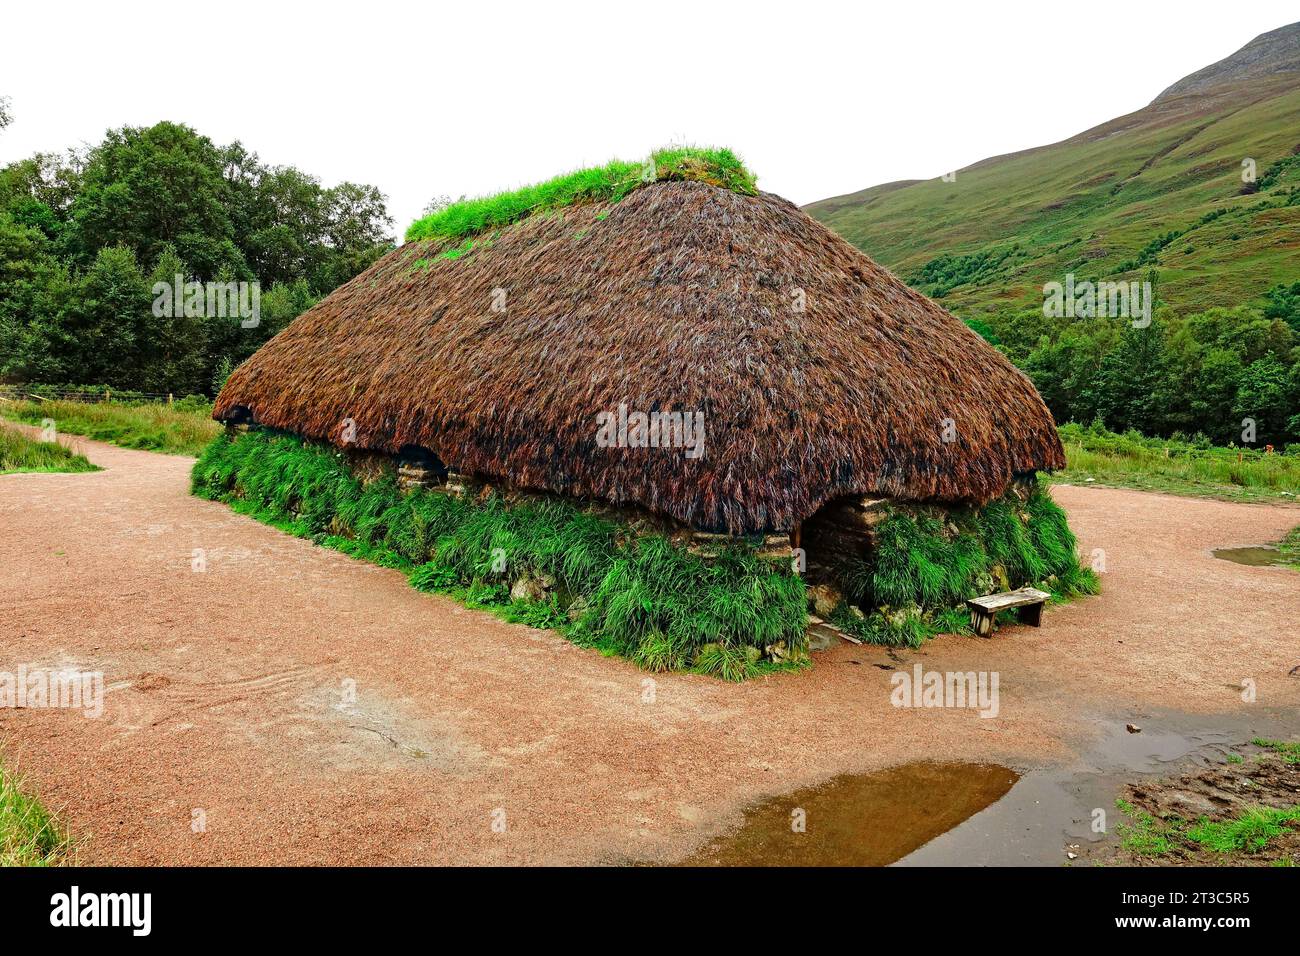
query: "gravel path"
228, 736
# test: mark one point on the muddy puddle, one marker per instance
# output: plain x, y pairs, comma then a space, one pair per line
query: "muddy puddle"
1257, 556
868, 819
966, 814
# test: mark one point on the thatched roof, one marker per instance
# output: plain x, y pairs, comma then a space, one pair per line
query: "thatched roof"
681, 297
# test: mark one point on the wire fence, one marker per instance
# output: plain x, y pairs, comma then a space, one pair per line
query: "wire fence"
90, 394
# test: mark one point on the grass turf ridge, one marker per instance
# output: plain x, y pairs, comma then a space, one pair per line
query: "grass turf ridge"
608, 183
927, 563
645, 599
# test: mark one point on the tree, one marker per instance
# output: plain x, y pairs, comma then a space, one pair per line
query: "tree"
35, 293
106, 334
38, 191
77, 230
1131, 387
146, 188
356, 231
1263, 397
1283, 302
176, 358
1213, 396
1065, 370
6, 112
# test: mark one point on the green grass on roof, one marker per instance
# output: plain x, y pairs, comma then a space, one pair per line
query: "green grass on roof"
610, 183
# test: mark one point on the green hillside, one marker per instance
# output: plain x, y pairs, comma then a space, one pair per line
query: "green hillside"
1156, 196
1103, 204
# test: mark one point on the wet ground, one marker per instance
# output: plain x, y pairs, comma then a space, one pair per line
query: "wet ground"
867, 819
1238, 813
1255, 556
969, 814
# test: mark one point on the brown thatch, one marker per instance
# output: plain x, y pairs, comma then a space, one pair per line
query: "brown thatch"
680, 297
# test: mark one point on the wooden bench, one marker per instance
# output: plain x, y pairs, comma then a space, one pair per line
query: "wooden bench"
1027, 601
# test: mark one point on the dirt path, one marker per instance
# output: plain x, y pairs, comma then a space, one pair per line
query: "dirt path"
226, 687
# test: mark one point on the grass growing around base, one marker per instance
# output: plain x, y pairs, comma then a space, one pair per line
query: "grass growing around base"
183, 428
645, 599
29, 834
608, 183
926, 565
19, 453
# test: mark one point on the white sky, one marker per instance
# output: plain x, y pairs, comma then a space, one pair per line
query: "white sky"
421, 99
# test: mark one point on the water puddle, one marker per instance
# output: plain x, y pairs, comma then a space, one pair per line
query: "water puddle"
860, 820
967, 814
1257, 556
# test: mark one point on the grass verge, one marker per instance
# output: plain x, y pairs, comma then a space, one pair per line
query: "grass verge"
1178, 467
29, 834
183, 428
608, 183
643, 598
18, 453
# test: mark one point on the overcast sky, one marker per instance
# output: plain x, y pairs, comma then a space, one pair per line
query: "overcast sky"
423, 99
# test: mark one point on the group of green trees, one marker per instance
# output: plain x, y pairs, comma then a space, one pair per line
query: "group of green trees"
85, 236
1204, 373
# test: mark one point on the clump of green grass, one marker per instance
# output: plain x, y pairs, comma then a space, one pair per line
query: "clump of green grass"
183, 428
1288, 750
608, 183
1249, 832
1146, 834
927, 563
646, 599
29, 834
20, 453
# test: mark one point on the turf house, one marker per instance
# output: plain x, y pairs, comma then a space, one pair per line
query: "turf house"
659, 410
